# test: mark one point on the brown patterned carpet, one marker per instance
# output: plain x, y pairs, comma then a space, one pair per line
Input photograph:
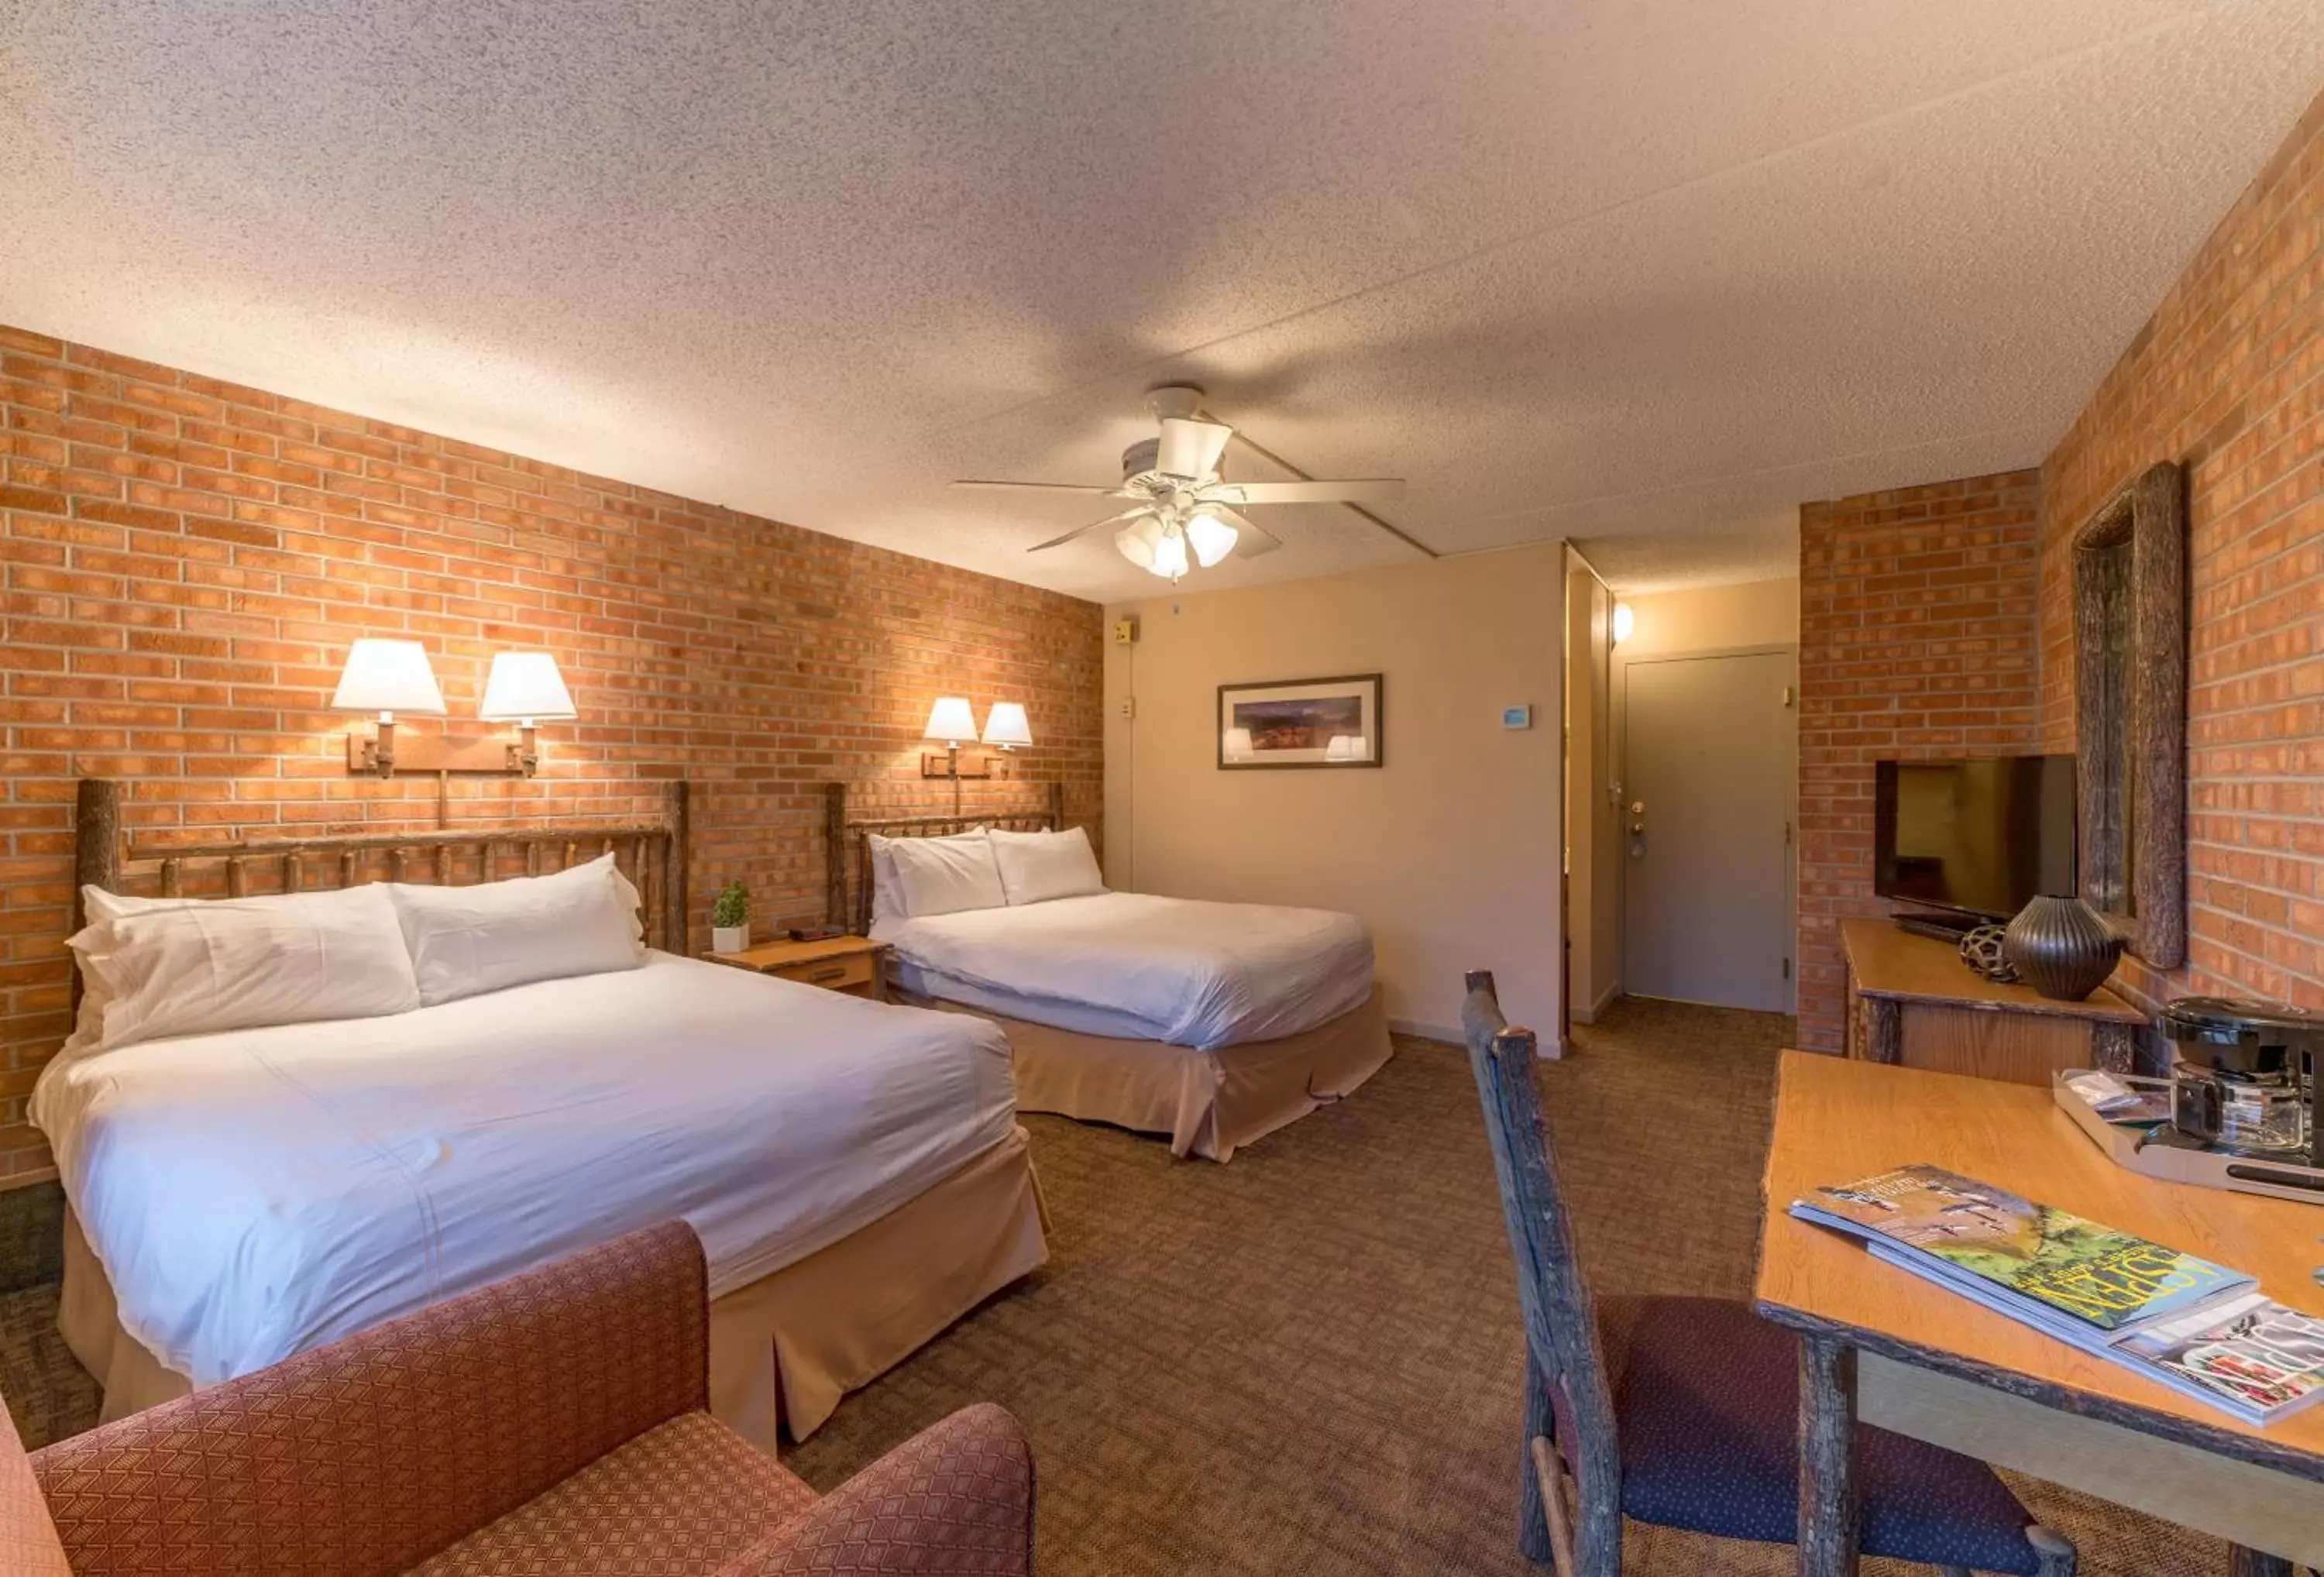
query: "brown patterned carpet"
1307, 1361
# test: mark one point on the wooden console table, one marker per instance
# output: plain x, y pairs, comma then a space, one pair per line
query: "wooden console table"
1912, 1001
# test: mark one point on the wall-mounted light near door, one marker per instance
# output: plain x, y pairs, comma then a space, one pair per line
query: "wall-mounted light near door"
1625, 620
388, 675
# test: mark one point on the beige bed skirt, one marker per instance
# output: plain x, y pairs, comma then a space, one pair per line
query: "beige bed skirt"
1210, 1103
783, 1348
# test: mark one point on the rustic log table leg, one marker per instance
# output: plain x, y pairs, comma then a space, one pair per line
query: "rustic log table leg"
2112, 1048
1533, 1517
1884, 1029
2244, 1562
1829, 1490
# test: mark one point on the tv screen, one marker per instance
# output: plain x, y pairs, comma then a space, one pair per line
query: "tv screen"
1981, 836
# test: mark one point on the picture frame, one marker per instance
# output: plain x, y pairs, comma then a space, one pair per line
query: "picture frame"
1334, 723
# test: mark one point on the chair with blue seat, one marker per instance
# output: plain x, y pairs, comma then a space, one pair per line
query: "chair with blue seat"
1682, 1412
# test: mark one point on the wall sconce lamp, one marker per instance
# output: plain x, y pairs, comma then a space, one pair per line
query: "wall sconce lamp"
1006, 730
385, 677
952, 722
1626, 619
525, 688
390, 676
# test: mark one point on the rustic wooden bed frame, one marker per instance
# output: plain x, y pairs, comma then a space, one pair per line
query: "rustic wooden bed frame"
651, 854
847, 847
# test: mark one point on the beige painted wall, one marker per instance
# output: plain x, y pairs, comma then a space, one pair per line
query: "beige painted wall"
1448, 850
1714, 618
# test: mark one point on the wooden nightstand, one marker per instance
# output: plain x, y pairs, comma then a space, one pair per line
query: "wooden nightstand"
841, 963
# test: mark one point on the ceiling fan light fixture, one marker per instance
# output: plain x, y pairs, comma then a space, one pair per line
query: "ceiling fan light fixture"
1137, 540
1211, 538
1170, 554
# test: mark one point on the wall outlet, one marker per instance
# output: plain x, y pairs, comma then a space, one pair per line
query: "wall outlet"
1129, 705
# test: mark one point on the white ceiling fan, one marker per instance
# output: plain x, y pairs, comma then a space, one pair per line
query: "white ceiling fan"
1183, 512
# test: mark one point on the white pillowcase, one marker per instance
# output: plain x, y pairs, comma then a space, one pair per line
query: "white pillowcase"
1038, 866
467, 940
943, 876
887, 887
156, 967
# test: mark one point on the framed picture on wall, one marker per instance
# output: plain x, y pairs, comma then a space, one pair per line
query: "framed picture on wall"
1301, 722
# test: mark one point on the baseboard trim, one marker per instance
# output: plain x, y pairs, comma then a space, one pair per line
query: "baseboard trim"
1597, 1009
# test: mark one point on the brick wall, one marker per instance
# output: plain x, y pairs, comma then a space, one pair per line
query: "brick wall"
2228, 378
1917, 640
186, 561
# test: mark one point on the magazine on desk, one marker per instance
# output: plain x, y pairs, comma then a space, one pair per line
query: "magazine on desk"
2176, 1318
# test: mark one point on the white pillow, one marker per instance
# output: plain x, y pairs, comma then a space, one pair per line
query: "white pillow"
190, 966
886, 887
466, 940
943, 876
1037, 866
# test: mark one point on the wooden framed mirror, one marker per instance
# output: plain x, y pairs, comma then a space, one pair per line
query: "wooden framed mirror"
2130, 713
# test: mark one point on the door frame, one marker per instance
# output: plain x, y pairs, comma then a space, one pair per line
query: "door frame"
1791, 796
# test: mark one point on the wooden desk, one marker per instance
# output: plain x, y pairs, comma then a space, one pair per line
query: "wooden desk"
1883, 1345
1912, 1001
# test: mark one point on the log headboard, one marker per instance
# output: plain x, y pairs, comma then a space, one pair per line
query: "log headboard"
651, 854
847, 848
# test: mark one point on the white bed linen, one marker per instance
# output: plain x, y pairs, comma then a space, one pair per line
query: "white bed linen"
257, 1192
1174, 969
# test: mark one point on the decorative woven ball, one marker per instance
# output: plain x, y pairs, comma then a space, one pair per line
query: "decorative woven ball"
1981, 950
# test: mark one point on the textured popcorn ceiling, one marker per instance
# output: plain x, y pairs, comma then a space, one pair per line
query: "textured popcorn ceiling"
1641, 272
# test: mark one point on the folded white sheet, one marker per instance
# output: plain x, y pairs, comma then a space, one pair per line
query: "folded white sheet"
257, 1192
1180, 970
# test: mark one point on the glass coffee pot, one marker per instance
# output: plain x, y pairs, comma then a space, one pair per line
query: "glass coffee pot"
2245, 1074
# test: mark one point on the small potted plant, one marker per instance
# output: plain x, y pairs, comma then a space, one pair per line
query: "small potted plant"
730, 920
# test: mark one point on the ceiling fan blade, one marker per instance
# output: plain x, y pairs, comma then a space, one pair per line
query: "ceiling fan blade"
1250, 540
1364, 490
1084, 531
1043, 487
1191, 448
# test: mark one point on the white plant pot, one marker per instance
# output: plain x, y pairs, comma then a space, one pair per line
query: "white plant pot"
729, 938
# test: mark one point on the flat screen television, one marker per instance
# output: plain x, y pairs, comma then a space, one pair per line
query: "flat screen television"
1979, 837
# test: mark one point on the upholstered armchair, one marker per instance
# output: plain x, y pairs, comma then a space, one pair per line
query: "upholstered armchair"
556, 1422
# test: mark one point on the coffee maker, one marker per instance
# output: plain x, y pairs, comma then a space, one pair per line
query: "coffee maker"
2246, 1080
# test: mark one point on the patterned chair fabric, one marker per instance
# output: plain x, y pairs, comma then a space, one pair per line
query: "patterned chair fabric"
556, 1422
1711, 1444
369, 1455
28, 1537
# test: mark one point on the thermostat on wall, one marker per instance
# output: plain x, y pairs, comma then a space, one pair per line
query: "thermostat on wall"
1517, 717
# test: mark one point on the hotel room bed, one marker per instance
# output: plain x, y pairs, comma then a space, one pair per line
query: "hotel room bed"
854, 1170
1213, 1023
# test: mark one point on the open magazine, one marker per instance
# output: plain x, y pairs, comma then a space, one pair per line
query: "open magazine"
2203, 1329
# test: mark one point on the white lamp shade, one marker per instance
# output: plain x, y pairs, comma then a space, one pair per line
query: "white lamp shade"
1135, 542
1211, 538
525, 687
1347, 747
388, 675
1236, 742
951, 720
1005, 726
1170, 559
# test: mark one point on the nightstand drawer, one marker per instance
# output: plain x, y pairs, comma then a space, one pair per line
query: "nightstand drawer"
832, 973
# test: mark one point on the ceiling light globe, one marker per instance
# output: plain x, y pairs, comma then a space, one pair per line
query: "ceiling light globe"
1211, 538
1170, 556
1135, 542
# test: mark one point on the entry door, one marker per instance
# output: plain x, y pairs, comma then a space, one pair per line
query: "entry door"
1711, 752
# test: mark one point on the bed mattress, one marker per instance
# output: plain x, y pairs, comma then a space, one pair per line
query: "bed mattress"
253, 1194
1134, 966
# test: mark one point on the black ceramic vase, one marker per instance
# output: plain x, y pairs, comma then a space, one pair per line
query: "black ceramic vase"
2061, 947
